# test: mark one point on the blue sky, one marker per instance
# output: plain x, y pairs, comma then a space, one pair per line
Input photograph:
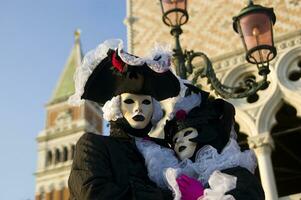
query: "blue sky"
36, 37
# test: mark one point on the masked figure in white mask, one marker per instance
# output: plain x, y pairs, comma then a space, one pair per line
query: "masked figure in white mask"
128, 88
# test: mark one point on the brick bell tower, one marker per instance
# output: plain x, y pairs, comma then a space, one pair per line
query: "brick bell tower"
64, 125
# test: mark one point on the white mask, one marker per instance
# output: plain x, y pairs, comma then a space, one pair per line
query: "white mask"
183, 147
137, 109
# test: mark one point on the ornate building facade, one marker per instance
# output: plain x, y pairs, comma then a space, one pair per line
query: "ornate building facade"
64, 125
270, 120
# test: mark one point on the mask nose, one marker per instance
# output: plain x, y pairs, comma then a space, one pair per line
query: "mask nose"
180, 140
138, 108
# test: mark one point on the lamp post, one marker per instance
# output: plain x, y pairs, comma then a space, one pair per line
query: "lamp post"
254, 23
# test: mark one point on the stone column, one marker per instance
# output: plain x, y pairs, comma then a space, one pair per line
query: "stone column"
263, 144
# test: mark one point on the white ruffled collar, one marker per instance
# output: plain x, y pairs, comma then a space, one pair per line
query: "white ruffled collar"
208, 160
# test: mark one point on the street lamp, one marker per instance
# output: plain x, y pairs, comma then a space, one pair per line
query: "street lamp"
254, 23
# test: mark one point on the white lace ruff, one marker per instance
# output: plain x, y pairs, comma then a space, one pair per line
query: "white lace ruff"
206, 163
165, 171
159, 59
112, 112
208, 160
95, 56
111, 109
157, 159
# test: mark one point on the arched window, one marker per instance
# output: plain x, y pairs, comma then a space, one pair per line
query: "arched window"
42, 195
72, 151
65, 154
62, 194
51, 195
57, 156
49, 158
286, 157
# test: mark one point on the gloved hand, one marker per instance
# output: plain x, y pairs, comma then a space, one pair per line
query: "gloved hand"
191, 189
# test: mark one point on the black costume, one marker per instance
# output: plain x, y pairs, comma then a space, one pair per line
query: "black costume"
111, 168
248, 186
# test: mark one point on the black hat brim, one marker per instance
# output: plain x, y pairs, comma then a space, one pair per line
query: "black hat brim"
105, 82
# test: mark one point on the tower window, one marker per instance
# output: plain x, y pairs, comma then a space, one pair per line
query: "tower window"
65, 154
57, 156
48, 158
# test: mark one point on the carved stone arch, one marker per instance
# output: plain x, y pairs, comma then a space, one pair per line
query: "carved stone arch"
50, 188
266, 115
60, 185
236, 75
41, 191
65, 153
57, 156
51, 192
287, 63
286, 156
296, 103
61, 190
49, 158
71, 151
42, 195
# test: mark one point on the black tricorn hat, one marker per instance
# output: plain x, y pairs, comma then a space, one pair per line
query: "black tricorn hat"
113, 76
212, 119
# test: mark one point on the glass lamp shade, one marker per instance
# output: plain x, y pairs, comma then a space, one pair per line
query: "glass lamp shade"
174, 12
255, 26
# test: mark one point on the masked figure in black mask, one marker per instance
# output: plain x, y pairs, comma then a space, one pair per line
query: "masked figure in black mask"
211, 164
204, 137
128, 88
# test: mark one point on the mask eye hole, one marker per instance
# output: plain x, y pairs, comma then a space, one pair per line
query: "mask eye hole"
146, 102
128, 101
187, 133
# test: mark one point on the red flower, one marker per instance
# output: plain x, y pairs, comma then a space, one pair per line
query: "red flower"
117, 62
181, 115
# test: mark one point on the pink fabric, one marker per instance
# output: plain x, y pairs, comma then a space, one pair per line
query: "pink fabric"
181, 115
191, 189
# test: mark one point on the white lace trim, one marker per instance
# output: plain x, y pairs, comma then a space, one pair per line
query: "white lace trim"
159, 59
157, 159
95, 56
171, 175
219, 183
208, 160
111, 109
112, 112
89, 63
